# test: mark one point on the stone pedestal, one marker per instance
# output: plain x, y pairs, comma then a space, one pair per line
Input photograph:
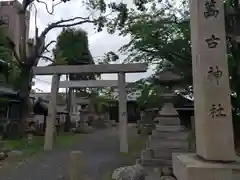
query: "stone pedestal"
192, 167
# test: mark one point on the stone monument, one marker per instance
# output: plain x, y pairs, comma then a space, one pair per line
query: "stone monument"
215, 154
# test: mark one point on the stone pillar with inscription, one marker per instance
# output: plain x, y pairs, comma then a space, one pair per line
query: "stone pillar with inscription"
123, 134
51, 118
213, 118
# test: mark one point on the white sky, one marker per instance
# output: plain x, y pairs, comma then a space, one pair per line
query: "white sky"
99, 43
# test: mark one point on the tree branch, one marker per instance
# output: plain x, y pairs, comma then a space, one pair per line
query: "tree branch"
60, 24
46, 6
47, 46
47, 58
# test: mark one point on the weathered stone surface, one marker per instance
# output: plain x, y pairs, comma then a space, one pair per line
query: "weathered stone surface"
190, 166
175, 128
169, 121
157, 162
166, 153
153, 173
168, 110
166, 136
77, 166
135, 172
167, 178
167, 144
212, 102
147, 154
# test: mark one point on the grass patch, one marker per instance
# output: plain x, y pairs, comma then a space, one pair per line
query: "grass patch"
35, 149
64, 140
22, 145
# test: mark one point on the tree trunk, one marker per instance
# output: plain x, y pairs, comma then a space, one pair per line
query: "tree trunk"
25, 80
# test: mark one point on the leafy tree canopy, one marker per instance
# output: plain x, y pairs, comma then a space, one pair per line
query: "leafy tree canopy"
72, 49
8, 68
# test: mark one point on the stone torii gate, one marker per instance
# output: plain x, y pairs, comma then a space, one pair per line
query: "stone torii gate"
97, 84
58, 70
88, 84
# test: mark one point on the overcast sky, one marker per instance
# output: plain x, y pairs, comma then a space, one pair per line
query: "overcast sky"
99, 43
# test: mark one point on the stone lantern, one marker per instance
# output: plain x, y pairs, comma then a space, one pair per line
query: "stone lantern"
30, 131
168, 115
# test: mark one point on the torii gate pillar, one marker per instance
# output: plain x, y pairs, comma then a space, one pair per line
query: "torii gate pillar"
122, 125
51, 118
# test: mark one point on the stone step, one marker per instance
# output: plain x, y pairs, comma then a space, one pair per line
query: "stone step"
167, 153
164, 131
170, 130
170, 121
167, 144
157, 163
148, 154
171, 127
177, 136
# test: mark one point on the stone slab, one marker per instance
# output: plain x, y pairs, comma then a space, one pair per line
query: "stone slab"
192, 167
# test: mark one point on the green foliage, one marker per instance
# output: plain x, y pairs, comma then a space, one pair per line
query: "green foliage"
160, 33
9, 69
72, 48
101, 104
5, 51
109, 57
150, 96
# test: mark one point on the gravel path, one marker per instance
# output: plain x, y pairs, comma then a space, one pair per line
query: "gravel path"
101, 150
